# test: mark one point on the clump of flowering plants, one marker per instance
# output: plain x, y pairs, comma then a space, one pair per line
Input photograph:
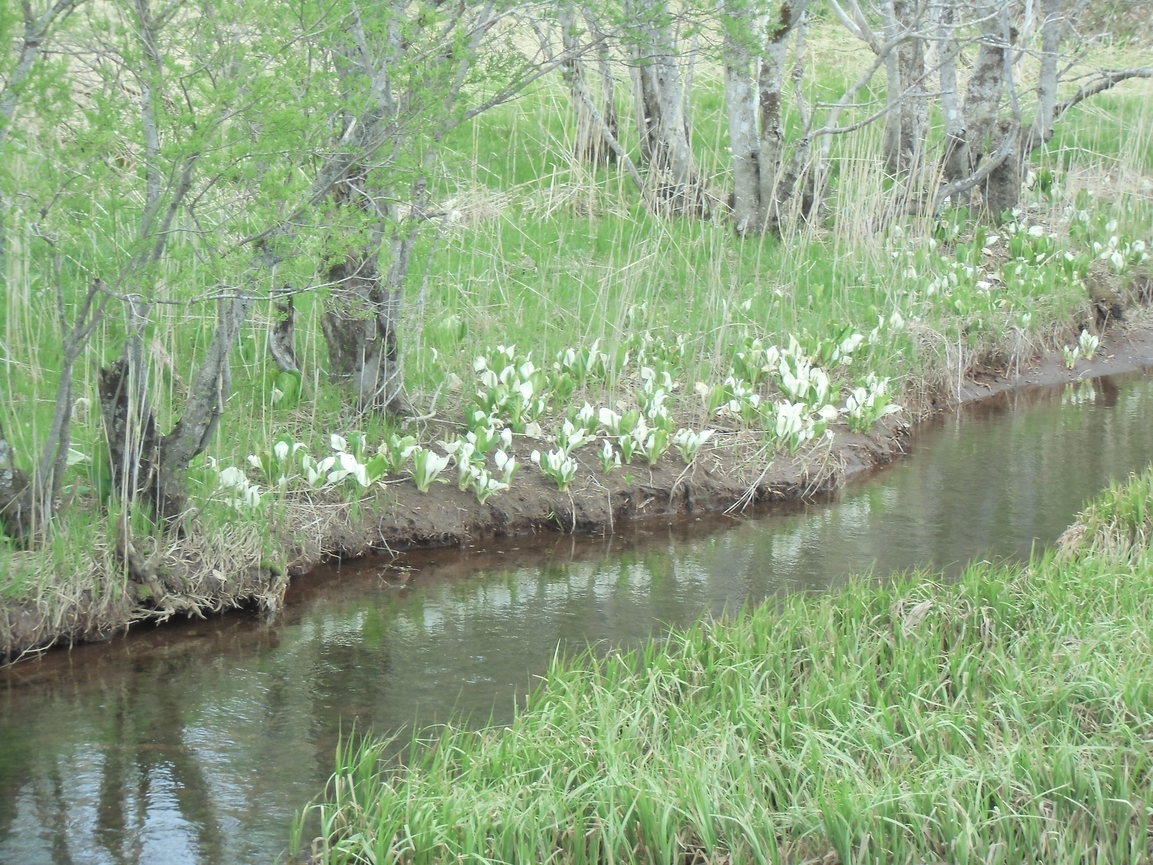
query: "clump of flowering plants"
236, 489
557, 465
795, 424
427, 466
575, 367
868, 403
689, 442
514, 394
278, 465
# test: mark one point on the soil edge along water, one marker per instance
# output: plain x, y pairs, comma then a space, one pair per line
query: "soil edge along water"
734, 473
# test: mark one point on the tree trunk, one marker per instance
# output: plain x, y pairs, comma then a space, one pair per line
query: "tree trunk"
19, 514
762, 182
49, 474
675, 183
362, 321
993, 134
146, 465
770, 93
740, 29
956, 163
360, 329
16, 512
281, 339
908, 118
608, 87
361, 318
1052, 31
207, 393
595, 128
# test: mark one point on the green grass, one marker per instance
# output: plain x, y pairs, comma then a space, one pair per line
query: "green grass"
1004, 717
1112, 128
549, 255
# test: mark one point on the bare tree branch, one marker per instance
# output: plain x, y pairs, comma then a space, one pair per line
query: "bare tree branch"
1104, 81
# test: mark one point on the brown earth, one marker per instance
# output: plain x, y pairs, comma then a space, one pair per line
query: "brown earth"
734, 472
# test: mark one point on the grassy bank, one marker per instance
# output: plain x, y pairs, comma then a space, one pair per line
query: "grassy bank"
572, 293
1003, 718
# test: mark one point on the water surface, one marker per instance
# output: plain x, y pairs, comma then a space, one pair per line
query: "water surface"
197, 743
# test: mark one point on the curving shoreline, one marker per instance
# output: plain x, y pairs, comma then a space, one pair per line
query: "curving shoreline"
201, 576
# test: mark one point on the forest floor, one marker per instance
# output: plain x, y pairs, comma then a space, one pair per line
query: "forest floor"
733, 473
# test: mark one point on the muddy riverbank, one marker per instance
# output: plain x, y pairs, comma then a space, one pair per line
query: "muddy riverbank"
734, 473
249, 567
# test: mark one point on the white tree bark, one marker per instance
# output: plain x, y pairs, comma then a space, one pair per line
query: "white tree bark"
740, 43
663, 125
907, 121
1052, 31
992, 121
755, 56
956, 162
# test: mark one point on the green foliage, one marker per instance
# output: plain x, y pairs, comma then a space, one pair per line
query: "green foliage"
522, 245
285, 388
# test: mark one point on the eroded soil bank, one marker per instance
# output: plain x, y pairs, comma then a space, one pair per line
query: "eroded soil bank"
202, 575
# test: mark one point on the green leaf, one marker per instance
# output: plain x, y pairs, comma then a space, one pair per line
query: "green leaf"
285, 389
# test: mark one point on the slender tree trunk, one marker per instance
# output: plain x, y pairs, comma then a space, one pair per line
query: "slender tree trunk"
16, 510
595, 128
54, 455
1057, 19
763, 181
676, 184
740, 29
1052, 31
608, 87
207, 393
956, 163
892, 143
993, 131
908, 118
770, 94
598, 114
620, 155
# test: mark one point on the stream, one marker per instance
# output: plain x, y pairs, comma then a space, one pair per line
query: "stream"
198, 742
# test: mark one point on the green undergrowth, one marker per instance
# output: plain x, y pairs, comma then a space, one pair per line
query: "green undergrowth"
1119, 523
538, 252
1005, 717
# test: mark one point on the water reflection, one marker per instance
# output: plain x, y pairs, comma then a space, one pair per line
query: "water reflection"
198, 743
